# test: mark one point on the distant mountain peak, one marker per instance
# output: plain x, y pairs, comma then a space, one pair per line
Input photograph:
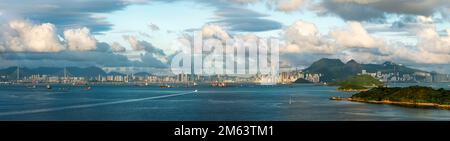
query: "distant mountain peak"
329, 61
389, 63
335, 70
352, 62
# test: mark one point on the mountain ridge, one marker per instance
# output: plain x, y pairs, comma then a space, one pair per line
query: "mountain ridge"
58, 71
333, 70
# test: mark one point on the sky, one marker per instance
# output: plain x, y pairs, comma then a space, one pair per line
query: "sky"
141, 33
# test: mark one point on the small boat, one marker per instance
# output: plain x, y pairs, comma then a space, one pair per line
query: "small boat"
48, 86
87, 88
166, 86
32, 87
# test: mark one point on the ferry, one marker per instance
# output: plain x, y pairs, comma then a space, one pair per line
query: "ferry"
218, 84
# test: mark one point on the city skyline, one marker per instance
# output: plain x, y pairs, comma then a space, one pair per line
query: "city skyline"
320, 71
140, 33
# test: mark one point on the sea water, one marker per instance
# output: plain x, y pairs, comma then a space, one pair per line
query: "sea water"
299, 102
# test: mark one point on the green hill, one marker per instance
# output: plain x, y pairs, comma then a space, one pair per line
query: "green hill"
413, 94
301, 80
334, 70
331, 68
358, 82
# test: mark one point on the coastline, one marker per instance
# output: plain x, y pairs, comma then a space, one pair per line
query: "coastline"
409, 104
352, 90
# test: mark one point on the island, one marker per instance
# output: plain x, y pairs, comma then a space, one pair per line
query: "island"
413, 96
302, 80
358, 83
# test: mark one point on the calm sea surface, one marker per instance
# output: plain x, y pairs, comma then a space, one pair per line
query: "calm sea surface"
298, 102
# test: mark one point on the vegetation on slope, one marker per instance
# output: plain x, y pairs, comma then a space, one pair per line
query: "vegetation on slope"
358, 82
413, 94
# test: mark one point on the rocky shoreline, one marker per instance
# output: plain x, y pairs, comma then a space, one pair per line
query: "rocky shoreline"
408, 104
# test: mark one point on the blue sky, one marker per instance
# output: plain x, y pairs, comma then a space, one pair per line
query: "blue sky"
140, 33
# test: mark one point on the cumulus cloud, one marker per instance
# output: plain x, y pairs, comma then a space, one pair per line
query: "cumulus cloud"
431, 41
304, 43
355, 36
216, 31
23, 36
413, 54
140, 45
79, 39
304, 37
103, 56
287, 5
149, 48
133, 42
116, 47
431, 47
34, 45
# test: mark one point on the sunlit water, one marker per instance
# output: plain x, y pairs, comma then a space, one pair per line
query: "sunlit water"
298, 102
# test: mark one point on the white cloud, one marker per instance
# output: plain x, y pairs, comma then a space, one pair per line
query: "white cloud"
431, 48
304, 37
429, 40
149, 48
133, 42
416, 55
79, 39
355, 36
23, 36
424, 19
214, 31
116, 47
287, 5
